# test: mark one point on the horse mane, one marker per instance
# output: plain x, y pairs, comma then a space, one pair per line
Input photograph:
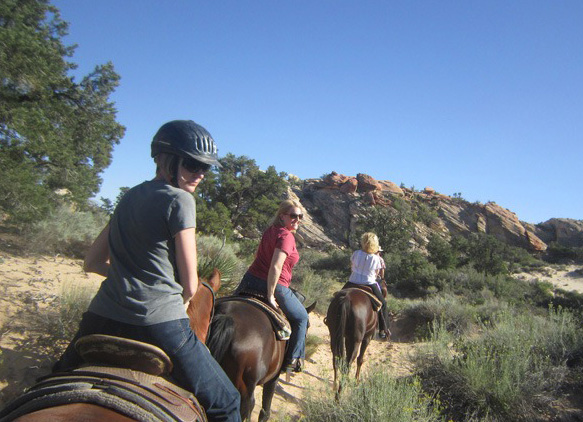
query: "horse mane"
220, 336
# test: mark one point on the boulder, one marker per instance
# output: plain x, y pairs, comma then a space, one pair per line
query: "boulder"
366, 183
350, 186
390, 187
335, 180
565, 231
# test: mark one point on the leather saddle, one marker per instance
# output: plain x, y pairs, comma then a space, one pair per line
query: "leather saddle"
375, 302
123, 375
279, 322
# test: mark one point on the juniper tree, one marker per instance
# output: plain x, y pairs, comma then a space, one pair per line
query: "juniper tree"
55, 133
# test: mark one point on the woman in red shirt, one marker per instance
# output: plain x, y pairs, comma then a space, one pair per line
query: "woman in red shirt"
271, 272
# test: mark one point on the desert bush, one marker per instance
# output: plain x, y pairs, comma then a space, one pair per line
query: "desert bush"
457, 317
59, 325
377, 397
393, 226
214, 253
557, 254
410, 274
515, 365
312, 343
314, 287
441, 253
424, 213
65, 232
336, 263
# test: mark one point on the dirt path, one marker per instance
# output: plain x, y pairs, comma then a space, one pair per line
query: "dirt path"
318, 373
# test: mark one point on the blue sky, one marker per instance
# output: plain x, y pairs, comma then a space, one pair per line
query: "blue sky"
484, 98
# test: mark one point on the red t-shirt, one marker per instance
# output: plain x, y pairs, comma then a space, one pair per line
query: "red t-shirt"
280, 238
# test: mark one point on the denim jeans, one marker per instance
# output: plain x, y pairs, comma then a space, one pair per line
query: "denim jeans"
194, 368
291, 307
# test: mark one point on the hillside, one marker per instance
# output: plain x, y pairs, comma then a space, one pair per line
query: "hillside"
336, 203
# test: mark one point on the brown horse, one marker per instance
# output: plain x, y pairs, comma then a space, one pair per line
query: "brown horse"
242, 340
200, 311
352, 322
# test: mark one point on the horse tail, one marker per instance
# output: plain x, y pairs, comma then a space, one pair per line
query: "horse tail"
221, 335
337, 335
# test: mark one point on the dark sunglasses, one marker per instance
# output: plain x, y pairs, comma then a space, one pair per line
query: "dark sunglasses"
194, 166
296, 216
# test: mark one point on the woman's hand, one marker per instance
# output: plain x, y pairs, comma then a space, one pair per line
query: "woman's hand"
272, 301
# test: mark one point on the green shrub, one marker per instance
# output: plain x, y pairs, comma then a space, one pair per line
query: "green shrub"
557, 253
213, 253
457, 317
61, 322
411, 274
314, 287
441, 253
65, 232
512, 368
377, 397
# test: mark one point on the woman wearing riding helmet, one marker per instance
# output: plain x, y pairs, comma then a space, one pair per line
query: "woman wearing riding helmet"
147, 253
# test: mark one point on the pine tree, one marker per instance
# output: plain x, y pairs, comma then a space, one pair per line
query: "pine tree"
55, 134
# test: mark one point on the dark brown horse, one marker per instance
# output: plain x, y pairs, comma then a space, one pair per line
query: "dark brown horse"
200, 312
352, 322
242, 340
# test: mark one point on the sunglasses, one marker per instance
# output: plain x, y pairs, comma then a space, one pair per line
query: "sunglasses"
194, 166
296, 216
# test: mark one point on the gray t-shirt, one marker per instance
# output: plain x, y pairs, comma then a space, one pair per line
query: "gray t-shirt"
142, 286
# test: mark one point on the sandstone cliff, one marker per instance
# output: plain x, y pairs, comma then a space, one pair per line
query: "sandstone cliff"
335, 203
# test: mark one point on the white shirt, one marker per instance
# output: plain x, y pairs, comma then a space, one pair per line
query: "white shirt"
364, 267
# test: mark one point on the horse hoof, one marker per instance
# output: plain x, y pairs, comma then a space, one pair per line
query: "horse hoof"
263, 415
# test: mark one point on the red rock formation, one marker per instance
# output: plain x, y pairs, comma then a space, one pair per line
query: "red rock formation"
366, 183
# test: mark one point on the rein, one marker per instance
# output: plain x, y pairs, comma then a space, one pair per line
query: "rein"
208, 286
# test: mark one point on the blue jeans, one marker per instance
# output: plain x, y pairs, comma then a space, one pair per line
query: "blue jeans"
291, 307
194, 368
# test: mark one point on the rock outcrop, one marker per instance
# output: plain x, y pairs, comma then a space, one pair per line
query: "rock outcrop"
564, 231
335, 203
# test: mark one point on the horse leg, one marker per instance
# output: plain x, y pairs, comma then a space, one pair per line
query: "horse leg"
360, 360
268, 392
337, 361
247, 400
352, 349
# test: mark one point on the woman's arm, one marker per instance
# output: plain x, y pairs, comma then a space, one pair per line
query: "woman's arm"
275, 268
97, 258
187, 261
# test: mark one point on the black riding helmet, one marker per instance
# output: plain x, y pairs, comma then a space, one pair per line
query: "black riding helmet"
186, 139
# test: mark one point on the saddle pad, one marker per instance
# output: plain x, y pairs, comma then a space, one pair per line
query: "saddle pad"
375, 302
280, 324
135, 394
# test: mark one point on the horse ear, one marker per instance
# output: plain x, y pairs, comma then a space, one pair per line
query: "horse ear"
215, 280
311, 307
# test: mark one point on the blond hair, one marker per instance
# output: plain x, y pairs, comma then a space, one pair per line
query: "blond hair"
369, 242
283, 209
